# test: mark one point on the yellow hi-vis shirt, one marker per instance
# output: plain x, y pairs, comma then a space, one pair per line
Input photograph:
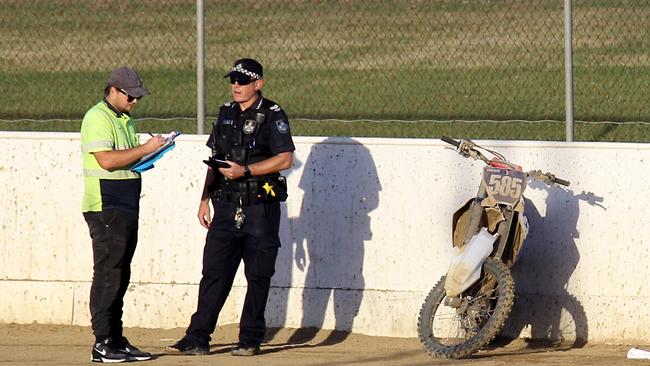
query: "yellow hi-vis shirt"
103, 129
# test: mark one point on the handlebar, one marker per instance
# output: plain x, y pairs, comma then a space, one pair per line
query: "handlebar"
562, 182
450, 141
548, 178
469, 149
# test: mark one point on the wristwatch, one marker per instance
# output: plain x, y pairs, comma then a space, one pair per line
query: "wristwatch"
247, 172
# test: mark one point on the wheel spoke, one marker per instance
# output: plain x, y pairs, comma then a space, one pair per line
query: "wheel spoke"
449, 327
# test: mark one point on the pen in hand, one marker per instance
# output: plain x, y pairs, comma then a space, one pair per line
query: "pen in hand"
150, 134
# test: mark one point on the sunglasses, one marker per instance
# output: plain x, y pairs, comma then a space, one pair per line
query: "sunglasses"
241, 81
129, 98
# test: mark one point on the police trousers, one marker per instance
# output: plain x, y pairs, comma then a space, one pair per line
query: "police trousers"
256, 244
114, 236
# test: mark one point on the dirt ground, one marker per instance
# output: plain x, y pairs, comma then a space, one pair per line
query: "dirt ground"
36, 344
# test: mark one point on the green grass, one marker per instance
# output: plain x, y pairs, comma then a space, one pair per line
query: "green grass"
549, 131
362, 59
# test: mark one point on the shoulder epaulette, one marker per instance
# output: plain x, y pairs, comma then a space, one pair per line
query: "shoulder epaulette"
271, 105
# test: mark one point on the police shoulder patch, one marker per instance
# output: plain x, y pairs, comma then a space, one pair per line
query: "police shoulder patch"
275, 108
227, 104
282, 125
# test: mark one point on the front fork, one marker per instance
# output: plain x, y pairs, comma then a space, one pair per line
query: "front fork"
504, 228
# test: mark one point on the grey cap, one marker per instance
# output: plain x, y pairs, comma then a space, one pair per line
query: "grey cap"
128, 80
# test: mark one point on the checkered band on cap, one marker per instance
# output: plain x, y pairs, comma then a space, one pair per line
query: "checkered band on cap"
239, 68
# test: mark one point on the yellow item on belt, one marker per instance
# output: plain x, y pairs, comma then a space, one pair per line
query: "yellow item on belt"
269, 189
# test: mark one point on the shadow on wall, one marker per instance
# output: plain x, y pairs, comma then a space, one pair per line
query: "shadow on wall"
547, 261
281, 283
341, 188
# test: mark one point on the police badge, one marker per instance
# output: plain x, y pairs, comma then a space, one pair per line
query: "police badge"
249, 126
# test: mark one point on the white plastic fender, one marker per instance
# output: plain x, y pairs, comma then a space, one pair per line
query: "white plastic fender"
465, 268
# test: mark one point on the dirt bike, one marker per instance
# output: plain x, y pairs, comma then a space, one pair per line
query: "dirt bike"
468, 307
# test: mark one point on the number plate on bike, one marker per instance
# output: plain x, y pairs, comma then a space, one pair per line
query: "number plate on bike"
504, 185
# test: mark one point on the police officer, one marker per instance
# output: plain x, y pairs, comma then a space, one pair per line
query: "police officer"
252, 136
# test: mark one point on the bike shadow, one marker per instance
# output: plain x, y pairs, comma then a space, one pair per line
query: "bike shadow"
545, 314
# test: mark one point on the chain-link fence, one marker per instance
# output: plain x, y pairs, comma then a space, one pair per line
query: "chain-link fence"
56, 55
346, 60
612, 60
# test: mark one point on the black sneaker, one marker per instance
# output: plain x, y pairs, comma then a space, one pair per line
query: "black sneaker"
105, 351
186, 347
126, 347
242, 350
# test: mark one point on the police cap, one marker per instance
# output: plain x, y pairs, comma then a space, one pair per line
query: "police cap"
247, 67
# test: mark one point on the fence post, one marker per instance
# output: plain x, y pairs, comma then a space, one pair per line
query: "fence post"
200, 68
568, 68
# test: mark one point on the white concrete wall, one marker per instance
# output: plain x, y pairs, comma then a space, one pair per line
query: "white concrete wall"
366, 234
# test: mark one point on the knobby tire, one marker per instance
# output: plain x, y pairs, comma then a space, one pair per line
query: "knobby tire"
506, 293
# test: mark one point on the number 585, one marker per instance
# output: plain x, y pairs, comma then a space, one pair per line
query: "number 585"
506, 185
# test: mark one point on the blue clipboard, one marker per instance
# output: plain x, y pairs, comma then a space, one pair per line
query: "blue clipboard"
146, 162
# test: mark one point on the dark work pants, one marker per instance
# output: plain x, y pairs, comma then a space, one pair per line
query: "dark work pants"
114, 236
256, 243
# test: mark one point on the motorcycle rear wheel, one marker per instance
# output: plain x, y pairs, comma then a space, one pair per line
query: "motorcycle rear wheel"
448, 332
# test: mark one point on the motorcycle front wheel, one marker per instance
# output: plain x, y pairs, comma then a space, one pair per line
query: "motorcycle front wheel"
460, 328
